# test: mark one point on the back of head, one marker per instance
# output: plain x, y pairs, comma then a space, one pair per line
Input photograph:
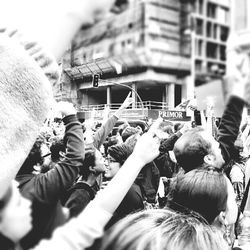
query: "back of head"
201, 190
191, 148
161, 229
25, 99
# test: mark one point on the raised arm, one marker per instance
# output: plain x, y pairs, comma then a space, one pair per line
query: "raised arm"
80, 232
50, 185
238, 79
102, 133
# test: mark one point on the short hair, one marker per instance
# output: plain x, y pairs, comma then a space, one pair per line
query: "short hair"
194, 147
56, 147
161, 229
34, 157
201, 190
89, 160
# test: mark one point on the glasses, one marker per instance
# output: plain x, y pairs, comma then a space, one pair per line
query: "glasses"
110, 160
44, 156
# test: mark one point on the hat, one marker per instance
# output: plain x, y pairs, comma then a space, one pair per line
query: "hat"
120, 152
25, 99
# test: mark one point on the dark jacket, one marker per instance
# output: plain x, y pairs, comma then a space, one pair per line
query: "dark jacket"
79, 196
132, 202
44, 190
148, 180
163, 162
229, 127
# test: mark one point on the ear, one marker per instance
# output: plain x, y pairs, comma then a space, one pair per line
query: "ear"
92, 169
209, 159
62, 154
221, 219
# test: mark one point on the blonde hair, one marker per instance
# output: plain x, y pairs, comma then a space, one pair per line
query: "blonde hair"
161, 229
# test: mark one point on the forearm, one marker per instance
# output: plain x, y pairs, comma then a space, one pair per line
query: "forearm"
168, 144
229, 126
103, 131
51, 184
74, 141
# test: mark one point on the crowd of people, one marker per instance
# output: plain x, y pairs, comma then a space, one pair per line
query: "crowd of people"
73, 186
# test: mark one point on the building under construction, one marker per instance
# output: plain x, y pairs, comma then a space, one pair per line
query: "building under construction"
158, 49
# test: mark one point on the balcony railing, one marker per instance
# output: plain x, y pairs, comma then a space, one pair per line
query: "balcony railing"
113, 106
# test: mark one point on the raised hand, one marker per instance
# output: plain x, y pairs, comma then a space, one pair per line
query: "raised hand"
129, 100
65, 108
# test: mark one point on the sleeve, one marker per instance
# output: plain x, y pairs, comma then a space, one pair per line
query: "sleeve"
49, 186
229, 127
78, 201
79, 233
168, 144
102, 133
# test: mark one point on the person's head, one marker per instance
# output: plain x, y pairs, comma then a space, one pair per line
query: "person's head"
15, 215
117, 155
207, 191
129, 131
93, 163
34, 158
197, 147
57, 149
161, 229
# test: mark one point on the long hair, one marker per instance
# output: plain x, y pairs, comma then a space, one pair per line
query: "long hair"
161, 229
202, 190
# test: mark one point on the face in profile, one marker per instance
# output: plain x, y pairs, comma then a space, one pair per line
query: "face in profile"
112, 167
99, 162
218, 160
15, 217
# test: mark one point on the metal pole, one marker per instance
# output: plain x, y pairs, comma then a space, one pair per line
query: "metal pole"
128, 88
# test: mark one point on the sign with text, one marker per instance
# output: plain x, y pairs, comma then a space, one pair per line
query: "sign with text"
171, 115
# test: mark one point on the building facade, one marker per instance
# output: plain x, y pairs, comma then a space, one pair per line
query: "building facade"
158, 49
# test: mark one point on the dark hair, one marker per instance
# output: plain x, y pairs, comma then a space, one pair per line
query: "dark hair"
4, 201
161, 229
34, 158
202, 190
120, 152
113, 140
89, 160
128, 131
56, 147
191, 148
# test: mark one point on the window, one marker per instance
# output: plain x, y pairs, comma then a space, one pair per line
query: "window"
209, 29
200, 43
211, 50
224, 34
211, 10
199, 27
